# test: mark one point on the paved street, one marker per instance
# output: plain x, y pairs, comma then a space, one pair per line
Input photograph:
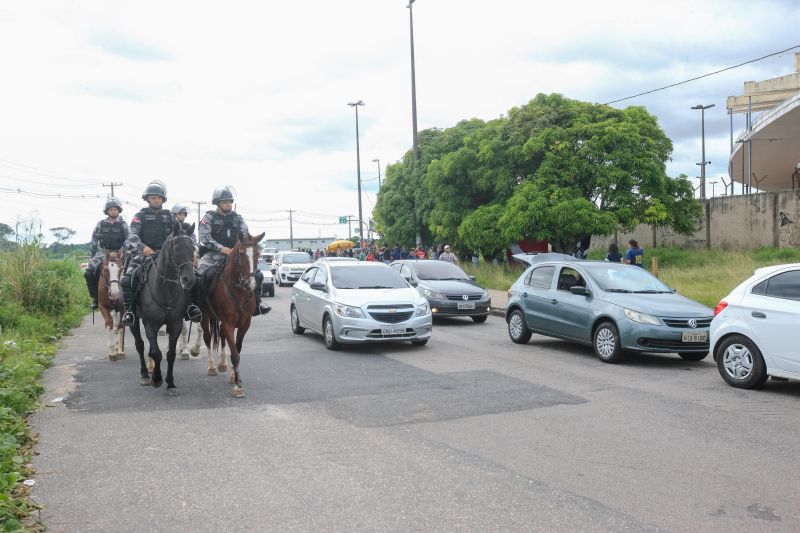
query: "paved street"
469, 433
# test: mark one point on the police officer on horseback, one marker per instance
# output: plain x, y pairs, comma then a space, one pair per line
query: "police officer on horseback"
109, 234
148, 232
180, 212
219, 230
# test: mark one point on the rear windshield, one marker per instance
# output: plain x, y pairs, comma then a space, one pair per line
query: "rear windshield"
439, 270
366, 278
299, 257
624, 278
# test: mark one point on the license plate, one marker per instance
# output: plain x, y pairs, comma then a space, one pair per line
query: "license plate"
393, 331
466, 305
695, 336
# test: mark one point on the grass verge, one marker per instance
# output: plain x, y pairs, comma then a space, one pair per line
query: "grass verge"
705, 276
40, 299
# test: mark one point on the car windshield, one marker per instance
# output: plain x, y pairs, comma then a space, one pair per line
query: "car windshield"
439, 270
348, 277
262, 265
622, 278
298, 258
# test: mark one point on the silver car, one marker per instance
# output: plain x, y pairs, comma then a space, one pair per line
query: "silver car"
357, 302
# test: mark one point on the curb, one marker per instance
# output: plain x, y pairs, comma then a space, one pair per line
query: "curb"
498, 311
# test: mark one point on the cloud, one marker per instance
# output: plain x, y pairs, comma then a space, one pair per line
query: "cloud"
119, 45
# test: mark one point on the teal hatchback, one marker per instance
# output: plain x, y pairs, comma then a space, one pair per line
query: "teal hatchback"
612, 307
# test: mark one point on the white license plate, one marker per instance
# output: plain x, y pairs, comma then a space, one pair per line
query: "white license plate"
695, 336
466, 305
393, 331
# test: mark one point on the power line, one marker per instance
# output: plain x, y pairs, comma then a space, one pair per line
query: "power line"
43, 171
50, 195
112, 185
703, 76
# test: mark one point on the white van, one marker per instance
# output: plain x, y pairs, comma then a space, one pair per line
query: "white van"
289, 266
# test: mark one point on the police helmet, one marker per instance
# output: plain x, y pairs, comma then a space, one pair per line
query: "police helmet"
222, 193
179, 208
157, 188
112, 202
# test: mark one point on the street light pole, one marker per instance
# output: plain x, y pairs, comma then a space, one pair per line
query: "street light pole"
713, 188
379, 172
358, 169
702, 109
413, 82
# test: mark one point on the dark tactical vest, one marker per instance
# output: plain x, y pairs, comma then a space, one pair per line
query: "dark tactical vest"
111, 235
225, 229
156, 225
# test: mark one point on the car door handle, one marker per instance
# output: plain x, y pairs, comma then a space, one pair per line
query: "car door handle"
554, 301
758, 314
524, 294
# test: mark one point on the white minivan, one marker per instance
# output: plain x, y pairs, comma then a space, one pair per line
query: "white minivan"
754, 333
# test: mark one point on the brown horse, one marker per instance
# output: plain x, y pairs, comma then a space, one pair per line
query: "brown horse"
229, 305
110, 304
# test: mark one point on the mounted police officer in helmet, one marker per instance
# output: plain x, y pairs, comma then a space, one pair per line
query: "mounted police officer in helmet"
109, 234
149, 230
180, 212
219, 230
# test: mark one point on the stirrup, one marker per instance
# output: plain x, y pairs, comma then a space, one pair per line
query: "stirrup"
128, 319
193, 313
262, 309
94, 303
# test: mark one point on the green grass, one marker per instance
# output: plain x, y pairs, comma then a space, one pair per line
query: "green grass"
40, 299
705, 276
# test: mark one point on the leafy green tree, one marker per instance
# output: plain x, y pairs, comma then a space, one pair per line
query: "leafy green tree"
62, 234
480, 231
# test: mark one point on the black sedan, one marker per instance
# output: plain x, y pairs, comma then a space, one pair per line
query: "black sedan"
448, 289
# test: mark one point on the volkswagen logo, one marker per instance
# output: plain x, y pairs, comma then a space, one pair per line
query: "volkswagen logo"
465, 297
692, 323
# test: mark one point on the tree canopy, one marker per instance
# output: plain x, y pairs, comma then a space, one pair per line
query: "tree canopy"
555, 169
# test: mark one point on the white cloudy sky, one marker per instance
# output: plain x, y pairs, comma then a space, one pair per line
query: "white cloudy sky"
254, 94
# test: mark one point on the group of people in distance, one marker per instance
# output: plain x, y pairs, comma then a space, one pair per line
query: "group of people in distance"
146, 234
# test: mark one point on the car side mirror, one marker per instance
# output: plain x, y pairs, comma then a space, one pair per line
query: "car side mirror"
317, 286
472, 278
577, 289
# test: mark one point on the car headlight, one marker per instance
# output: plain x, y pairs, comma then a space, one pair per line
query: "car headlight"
348, 312
642, 318
423, 309
433, 295
485, 294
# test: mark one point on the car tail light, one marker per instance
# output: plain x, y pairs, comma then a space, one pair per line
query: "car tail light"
720, 306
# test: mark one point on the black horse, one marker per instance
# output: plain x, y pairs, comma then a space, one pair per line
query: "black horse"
162, 299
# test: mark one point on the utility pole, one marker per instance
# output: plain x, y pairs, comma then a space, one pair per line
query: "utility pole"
358, 167
112, 185
379, 172
291, 233
702, 109
198, 204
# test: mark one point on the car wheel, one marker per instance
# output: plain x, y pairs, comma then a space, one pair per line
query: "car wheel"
297, 329
480, 319
693, 356
517, 329
740, 363
421, 342
606, 343
329, 335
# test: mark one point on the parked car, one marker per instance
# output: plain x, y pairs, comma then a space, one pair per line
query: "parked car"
359, 302
268, 287
531, 258
613, 307
448, 289
268, 254
334, 259
755, 329
289, 266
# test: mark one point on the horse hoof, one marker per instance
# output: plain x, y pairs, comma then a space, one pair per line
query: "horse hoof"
222, 368
212, 371
184, 356
112, 357
157, 384
195, 352
145, 382
238, 392
120, 355
172, 392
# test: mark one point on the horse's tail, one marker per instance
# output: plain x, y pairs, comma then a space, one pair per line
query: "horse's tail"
215, 336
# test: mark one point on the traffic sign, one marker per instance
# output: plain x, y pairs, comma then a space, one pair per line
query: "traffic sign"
343, 220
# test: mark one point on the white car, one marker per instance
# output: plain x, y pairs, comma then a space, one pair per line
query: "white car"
755, 328
358, 302
289, 266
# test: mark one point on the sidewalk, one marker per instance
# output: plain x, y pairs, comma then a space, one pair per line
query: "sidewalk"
499, 302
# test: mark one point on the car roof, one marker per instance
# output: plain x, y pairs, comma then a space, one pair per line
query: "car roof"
765, 271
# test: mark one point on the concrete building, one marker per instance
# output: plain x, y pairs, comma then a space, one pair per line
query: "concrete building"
311, 243
766, 155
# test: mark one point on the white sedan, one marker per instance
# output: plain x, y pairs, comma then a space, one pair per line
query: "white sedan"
754, 333
356, 302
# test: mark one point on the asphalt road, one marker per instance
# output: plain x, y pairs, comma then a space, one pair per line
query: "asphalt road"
469, 433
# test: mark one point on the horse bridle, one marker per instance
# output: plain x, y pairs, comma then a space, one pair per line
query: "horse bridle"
242, 279
171, 260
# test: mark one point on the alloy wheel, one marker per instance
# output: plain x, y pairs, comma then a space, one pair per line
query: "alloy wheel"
606, 342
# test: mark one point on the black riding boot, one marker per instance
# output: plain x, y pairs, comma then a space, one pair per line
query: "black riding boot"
194, 295
261, 309
91, 284
127, 300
